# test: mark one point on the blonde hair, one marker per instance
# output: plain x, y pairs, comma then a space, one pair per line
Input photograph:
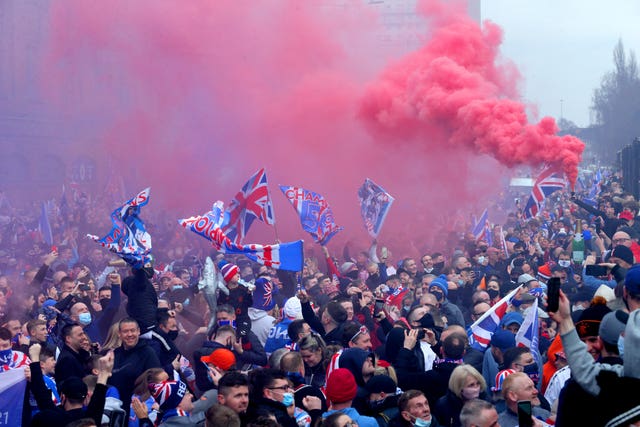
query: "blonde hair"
113, 340
459, 377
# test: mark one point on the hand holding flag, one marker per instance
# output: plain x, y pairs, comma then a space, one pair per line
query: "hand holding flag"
129, 238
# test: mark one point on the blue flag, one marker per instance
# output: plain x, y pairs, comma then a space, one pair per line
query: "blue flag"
282, 256
315, 214
129, 238
12, 387
44, 225
374, 206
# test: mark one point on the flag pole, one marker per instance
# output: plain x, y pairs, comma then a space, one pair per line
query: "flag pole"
275, 227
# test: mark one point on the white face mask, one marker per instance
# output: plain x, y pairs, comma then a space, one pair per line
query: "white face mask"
564, 263
469, 393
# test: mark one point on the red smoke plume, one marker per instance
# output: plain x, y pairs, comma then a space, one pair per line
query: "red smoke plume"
193, 97
454, 87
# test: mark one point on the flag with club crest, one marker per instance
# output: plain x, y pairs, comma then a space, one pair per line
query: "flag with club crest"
282, 256
251, 202
375, 203
128, 237
549, 181
481, 330
315, 214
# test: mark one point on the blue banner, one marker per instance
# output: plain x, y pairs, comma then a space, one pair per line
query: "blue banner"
374, 206
12, 387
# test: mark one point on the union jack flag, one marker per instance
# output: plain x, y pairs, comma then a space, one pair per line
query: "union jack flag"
549, 181
481, 330
251, 202
482, 229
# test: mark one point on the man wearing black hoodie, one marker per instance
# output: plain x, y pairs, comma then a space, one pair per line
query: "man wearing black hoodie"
142, 304
361, 364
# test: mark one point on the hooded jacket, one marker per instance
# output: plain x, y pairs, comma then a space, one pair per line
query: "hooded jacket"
353, 359
142, 303
584, 369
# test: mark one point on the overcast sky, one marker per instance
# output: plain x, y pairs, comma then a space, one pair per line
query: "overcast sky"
564, 47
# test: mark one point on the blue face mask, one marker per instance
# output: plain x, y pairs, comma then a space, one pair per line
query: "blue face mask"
621, 345
287, 399
84, 318
422, 423
176, 287
5, 356
227, 322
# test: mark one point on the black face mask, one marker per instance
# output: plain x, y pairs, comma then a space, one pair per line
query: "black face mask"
438, 265
353, 274
104, 302
148, 272
172, 335
439, 295
493, 293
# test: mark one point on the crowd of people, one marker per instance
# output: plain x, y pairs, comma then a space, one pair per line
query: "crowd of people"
365, 340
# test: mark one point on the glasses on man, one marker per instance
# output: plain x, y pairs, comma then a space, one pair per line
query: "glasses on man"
479, 314
283, 388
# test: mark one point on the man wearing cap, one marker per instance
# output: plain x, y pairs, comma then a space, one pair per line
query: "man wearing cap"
440, 288
72, 394
239, 296
260, 311
501, 341
382, 399
341, 389
361, 364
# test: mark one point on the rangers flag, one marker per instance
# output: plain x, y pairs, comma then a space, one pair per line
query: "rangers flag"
283, 256
374, 206
315, 214
128, 237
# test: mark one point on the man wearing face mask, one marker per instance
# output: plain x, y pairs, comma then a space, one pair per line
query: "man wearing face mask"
440, 288
272, 395
143, 300
162, 340
382, 399
520, 359
414, 411
109, 298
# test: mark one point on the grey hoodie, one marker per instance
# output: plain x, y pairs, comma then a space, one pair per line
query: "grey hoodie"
584, 369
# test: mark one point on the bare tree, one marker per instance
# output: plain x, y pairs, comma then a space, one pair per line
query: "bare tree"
615, 105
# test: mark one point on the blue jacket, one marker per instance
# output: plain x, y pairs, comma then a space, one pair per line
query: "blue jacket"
278, 336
